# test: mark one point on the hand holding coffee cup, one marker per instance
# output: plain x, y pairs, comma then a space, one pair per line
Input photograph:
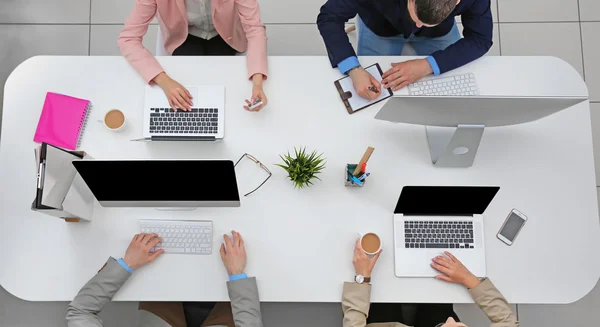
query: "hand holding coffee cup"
364, 263
370, 243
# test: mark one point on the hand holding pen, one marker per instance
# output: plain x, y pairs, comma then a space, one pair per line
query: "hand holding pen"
364, 83
372, 88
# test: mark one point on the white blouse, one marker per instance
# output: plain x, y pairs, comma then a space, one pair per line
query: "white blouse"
200, 19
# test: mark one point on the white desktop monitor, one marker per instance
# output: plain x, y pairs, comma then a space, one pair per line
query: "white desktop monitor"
457, 146
161, 183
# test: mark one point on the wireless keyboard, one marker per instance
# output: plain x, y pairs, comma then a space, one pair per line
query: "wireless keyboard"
459, 85
181, 236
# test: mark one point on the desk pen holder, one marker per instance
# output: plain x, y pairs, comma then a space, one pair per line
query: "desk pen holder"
349, 182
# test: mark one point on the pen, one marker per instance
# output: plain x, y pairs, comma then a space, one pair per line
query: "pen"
357, 181
372, 88
364, 176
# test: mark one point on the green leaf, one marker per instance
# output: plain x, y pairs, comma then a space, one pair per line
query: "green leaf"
302, 167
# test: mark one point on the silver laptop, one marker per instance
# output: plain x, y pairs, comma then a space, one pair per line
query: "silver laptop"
204, 123
429, 220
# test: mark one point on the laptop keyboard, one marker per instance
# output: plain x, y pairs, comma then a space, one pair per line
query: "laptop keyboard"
438, 234
197, 121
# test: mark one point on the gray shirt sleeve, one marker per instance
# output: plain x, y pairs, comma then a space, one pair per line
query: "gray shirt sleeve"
245, 303
91, 299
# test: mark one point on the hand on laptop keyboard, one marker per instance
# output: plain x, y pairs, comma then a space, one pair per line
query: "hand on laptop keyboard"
179, 96
454, 271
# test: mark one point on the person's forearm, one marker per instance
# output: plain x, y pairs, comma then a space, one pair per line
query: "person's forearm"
493, 304
459, 54
161, 78
349, 64
331, 23
257, 80
245, 302
91, 299
471, 282
356, 299
477, 40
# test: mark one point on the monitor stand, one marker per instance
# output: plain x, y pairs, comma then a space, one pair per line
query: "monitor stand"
454, 147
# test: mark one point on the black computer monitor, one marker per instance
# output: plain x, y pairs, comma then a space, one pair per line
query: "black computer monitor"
161, 183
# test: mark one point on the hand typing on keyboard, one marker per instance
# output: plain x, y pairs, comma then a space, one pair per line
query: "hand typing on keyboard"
179, 97
233, 253
454, 271
138, 252
403, 73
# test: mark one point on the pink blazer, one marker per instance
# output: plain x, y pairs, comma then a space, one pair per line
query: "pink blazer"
237, 21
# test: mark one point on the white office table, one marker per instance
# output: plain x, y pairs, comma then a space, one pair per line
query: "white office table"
300, 242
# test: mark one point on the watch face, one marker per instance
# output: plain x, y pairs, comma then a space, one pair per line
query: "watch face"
359, 279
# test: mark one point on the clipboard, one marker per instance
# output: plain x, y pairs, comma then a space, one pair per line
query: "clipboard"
352, 101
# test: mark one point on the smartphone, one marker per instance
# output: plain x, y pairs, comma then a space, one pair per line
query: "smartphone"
511, 227
255, 104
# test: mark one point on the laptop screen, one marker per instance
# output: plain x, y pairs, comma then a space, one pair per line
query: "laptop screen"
445, 200
160, 180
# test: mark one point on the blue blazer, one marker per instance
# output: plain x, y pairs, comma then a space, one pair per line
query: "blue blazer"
390, 18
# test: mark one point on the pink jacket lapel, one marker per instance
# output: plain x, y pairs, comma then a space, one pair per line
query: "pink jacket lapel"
181, 6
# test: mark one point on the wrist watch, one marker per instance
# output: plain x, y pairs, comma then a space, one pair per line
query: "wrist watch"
362, 279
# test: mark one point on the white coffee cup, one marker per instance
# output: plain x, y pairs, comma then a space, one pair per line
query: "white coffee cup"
112, 128
370, 254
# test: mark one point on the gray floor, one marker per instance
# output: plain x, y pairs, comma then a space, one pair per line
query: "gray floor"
568, 29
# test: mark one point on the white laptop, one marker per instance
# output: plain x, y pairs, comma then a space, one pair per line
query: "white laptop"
206, 121
429, 220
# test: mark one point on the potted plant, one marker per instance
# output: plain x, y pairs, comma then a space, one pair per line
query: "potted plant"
302, 167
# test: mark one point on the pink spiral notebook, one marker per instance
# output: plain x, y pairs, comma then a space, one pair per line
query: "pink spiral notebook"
62, 120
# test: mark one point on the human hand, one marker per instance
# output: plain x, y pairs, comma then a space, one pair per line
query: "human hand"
403, 73
178, 96
233, 254
138, 252
450, 322
454, 271
362, 80
363, 264
257, 93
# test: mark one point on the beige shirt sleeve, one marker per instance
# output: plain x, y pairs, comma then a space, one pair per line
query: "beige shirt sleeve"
356, 300
495, 306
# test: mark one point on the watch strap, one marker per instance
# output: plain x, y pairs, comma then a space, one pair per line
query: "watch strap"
367, 280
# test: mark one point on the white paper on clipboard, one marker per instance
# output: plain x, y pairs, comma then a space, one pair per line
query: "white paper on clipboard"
356, 101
